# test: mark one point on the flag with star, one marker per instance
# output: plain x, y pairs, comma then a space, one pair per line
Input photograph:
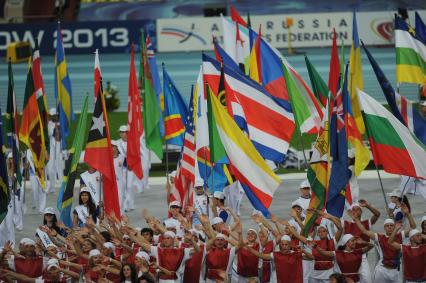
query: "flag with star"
99, 152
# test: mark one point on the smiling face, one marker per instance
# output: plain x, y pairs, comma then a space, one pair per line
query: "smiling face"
322, 233
357, 211
87, 246
84, 196
251, 236
174, 210
127, 271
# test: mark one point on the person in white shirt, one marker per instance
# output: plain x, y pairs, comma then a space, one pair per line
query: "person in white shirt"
200, 203
56, 164
38, 193
305, 196
92, 180
118, 167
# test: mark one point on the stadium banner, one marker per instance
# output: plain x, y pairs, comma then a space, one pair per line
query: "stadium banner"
307, 30
78, 37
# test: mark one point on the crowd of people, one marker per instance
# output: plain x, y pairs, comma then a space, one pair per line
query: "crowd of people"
205, 243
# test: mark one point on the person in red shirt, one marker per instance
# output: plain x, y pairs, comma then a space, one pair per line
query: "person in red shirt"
347, 256
413, 255
245, 266
194, 265
387, 269
287, 262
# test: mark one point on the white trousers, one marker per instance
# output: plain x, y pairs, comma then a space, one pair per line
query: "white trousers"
38, 194
364, 271
385, 275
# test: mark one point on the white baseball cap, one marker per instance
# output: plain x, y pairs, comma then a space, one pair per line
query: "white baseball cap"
123, 128
172, 174
345, 239
219, 195
109, 245
199, 183
286, 238
305, 184
395, 193
52, 263
175, 203
85, 190
297, 203
217, 220
355, 204
413, 233
143, 255
351, 153
388, 221
423, 103
114, 142
49, 210
221, 236
27, 242
170, 234
52, 111
94, 252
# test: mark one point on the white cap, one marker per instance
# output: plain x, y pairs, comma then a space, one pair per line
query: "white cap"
253, 230
423, 219
109, 245
351, 153
125, 236
85, 190
114, 142
297, 203
322, 226
52, 111
286, 238
388, 221
395, 193
52, 263
219, 195
94, 252
199, 183
413, 233
345, 239
49, 210
27, 242
175, 203
221, 236
51, 245
305, 184
216, 220
9, 155
123, 128
170, 224
170, 234
423, 102
172, 174
143, 255
354, 205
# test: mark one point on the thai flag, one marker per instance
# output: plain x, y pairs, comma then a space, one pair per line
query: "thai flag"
269, 124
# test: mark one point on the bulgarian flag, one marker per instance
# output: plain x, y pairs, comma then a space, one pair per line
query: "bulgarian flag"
393, 145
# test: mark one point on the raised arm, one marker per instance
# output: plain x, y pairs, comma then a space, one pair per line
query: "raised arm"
322, 251
391, 241
336, 222
259, 254
361, 227
375, 211
17, 276
264, 224
410, 218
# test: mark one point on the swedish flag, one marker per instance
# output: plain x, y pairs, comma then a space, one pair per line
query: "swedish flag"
63, 92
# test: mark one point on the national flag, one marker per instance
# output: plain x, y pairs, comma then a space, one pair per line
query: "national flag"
224, 58
355, 79
269, 125
319, 87
319, 172
151, 110
420, 28
187, 162
410, 54
399, 105
134, 121
4, 179
258, 180
240, 51
217, 151
340, 174
63, 92
152, 61
31, 132
175, 112
302, 110
11, 126
393, 145
66, 192
40, 93
99, 154
255, 65
334, 74
235, 16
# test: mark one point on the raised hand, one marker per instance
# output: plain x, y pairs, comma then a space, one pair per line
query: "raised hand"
363, 203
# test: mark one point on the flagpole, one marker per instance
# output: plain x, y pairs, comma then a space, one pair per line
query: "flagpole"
303, 149
167, 162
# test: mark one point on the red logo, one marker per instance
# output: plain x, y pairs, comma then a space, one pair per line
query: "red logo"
383, 28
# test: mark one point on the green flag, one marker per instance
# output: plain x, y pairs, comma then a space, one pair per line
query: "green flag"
319, 86
151, 112
4, 181
66, 193
11, 126
217, 151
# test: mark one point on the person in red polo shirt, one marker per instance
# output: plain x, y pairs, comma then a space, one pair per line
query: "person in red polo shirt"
413, 255
387, 268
